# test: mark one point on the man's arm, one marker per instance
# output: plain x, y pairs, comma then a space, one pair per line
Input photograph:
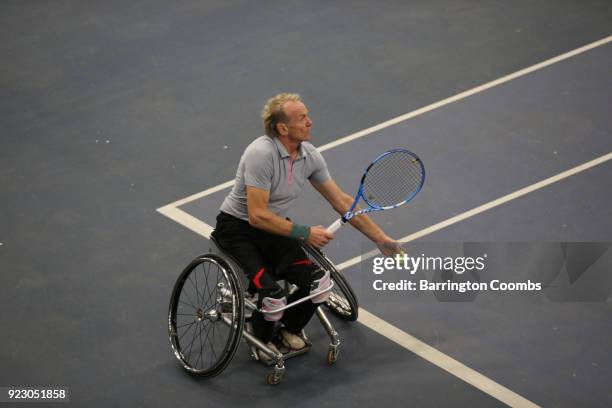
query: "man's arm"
261, 217
341, 202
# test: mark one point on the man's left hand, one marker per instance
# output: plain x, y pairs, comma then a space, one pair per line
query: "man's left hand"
389, 246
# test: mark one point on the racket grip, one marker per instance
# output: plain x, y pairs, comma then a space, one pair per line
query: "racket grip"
335, 226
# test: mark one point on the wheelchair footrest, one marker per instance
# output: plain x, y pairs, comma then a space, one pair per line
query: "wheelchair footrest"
288, 353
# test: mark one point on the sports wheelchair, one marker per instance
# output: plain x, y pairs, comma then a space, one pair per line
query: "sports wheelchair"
211, 306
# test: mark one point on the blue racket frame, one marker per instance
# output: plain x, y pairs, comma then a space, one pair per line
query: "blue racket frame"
372, 207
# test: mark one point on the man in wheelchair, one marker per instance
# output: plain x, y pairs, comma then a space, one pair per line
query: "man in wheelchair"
252, 224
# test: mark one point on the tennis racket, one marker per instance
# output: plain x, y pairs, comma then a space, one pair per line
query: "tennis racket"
392, 179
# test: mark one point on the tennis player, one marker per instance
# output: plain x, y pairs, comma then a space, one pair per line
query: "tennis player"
252, 224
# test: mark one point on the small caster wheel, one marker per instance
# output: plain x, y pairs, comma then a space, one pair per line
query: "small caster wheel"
274, 377
332, 356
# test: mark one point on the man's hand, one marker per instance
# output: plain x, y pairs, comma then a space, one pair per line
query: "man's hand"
389, 246
319, 237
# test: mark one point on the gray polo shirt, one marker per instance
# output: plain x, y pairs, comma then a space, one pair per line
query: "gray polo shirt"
266, 164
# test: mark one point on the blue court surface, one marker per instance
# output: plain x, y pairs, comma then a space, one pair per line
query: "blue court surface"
122, 127
479, 149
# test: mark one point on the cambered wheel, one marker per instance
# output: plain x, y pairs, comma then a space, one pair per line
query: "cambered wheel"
342, 300
206, 315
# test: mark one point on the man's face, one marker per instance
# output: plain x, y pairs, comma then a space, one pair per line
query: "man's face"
298, 123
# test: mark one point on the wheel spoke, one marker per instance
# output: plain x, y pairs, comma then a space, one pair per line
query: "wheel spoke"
192, 340
195, 276
186, 331
186, 324
201, 348
184, 291
212, 336
212, 291
188, 304
207, 333
192, 284
207, 286
206, 277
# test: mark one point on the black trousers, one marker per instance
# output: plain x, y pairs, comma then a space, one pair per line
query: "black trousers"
266, 257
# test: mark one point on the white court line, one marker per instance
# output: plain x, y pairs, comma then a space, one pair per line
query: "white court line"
402, 338
187, 220
443, 361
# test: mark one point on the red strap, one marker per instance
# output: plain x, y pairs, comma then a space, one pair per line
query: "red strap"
258, 275
303, 262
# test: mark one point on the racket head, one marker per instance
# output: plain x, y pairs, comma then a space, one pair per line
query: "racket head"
392, 179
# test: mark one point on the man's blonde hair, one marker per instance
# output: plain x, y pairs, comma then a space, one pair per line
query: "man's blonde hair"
273, 112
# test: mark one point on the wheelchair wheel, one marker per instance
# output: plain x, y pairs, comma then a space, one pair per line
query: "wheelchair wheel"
206, 315
342, 301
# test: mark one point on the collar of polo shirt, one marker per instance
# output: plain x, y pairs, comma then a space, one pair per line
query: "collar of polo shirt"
282, 150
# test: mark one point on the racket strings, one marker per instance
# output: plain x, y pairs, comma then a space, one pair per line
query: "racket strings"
393, 179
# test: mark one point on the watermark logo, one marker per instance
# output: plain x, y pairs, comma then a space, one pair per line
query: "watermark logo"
460, 272
414, 264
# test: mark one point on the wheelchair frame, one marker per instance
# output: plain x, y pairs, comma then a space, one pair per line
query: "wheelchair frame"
226, 301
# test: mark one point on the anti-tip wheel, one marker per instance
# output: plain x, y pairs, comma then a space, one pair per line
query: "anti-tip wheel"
332, 356
274, 378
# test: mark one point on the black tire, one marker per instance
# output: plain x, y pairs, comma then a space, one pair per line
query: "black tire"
205, 333
342, 301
